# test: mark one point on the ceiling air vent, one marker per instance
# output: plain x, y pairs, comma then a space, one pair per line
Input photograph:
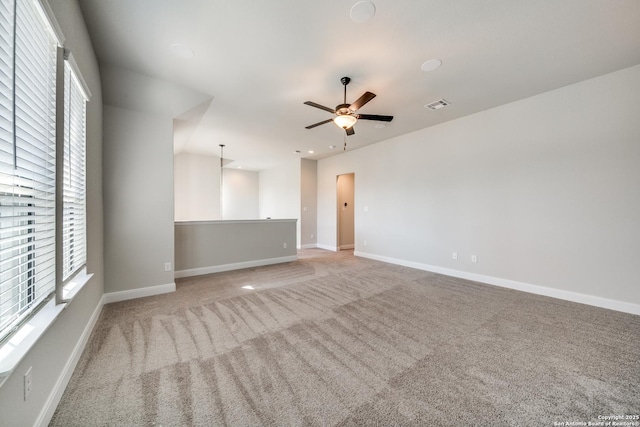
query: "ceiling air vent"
441, 103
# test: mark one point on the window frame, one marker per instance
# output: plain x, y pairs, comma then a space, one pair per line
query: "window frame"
17, 340
29, 178
72, 79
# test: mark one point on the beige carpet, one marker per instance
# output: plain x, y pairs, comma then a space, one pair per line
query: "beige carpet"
333, 339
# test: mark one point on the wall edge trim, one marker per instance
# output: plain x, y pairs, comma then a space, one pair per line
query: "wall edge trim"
139, 293
44, 418
592, 300
327, 247
233, 266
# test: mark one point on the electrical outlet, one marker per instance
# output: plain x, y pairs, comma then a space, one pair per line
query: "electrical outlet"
167, 266
312, 236
28, 383
474, 258
284, 245
365, 243
454, 255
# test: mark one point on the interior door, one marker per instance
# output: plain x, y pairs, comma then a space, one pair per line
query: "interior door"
346, 224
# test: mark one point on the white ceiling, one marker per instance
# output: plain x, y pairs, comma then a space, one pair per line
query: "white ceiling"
256, 62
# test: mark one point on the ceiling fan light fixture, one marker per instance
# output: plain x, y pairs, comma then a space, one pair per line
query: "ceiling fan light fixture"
345, 121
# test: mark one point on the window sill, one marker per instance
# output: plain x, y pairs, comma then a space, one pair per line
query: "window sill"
70, 290
13, 351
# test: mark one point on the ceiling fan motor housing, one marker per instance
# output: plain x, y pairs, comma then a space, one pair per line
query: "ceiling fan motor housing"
343, 109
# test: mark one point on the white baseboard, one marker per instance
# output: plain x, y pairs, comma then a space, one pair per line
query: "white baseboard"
327, 247
139, 293
61, 384
622, 306
234, 266
309, 246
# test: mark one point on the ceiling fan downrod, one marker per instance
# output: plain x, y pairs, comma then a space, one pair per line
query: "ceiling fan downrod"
345, 81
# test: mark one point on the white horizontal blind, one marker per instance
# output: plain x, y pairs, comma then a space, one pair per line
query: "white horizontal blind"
7, 293
27, 162
74, 194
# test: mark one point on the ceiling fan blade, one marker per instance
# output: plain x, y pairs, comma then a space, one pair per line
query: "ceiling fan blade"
368, 96
350, 131
322, 107
375, 117
318, 124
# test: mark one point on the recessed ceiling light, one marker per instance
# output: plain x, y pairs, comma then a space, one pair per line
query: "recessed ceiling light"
297, 152
332, 147
362, 11
380, 126
181, 50
239, 167
311, 151
430, 65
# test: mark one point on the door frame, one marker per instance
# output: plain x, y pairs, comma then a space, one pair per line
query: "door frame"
340, 247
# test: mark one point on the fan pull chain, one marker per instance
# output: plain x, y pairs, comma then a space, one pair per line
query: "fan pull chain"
345, 143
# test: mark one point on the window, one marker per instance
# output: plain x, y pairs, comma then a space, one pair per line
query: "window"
40, 248
74, 194
27, 163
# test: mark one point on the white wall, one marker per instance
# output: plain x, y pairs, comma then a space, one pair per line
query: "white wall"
138, 92
48, 359
197, 187
286, 191
197, 190
204, 247
279, 192
138, 175
309, 201
138, 199
544, 191
240, 194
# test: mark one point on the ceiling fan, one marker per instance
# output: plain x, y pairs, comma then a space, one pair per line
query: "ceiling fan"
346, 115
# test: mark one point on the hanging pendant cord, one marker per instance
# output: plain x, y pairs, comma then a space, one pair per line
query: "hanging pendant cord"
221, 186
